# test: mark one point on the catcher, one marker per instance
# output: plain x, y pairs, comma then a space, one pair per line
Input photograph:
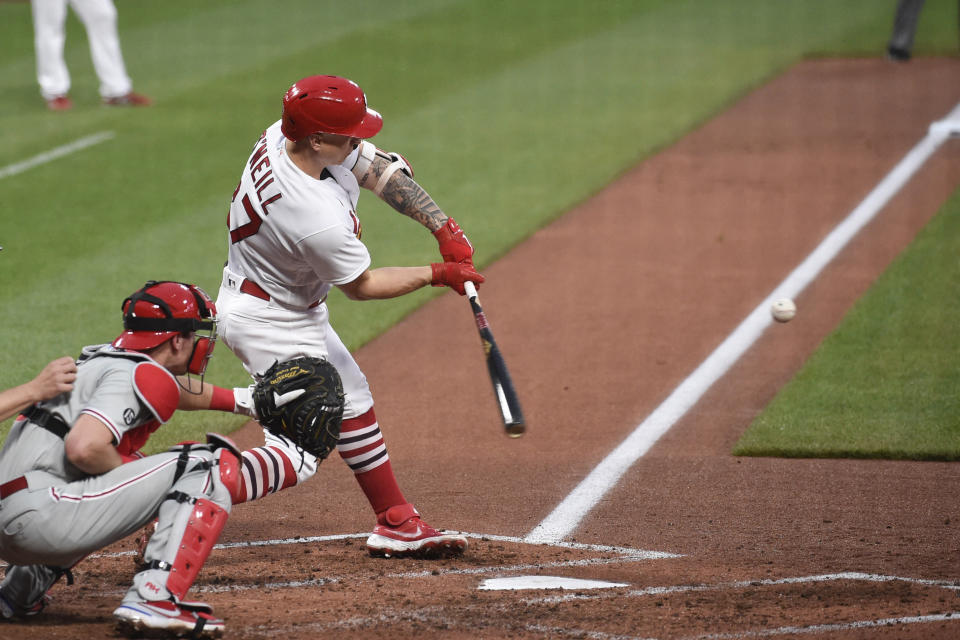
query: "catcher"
72, 478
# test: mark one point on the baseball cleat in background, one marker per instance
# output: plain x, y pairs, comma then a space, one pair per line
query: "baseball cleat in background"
131, 99
193, 619
60, 103
414, 539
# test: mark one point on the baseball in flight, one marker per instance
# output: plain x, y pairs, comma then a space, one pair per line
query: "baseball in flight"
783, 310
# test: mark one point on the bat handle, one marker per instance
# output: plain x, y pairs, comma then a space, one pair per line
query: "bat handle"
470, 290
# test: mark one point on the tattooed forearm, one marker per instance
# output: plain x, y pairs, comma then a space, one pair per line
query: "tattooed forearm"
409, 198
403, 194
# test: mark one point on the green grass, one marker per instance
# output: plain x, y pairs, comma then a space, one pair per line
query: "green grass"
511, 113
884, 384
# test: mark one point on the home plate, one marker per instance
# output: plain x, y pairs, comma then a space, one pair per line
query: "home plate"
545, 582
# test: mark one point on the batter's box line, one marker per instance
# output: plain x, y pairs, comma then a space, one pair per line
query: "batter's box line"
953, 585
626, 553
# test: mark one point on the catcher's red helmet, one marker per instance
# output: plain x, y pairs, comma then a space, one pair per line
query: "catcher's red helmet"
328, 104
161, 310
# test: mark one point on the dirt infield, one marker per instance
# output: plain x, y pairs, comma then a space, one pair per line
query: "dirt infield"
601, 315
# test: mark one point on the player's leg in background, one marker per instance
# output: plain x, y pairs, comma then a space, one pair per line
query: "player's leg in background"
900, 47
49, 35
99, 17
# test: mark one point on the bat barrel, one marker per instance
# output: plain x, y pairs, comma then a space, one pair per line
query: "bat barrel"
516, 430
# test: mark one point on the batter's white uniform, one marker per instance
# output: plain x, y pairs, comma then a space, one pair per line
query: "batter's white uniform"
292, 238
99, 17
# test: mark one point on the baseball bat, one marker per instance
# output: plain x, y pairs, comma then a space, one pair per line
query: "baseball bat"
503, 389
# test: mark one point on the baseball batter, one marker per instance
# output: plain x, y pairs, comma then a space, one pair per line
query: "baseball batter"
72, 480
294, 233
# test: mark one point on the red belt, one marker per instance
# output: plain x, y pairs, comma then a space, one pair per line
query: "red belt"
251, 288
7, 489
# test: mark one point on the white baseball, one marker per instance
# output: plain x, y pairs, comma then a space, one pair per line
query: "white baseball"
783, 310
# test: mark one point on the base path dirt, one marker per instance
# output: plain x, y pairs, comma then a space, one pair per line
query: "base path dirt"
601, 315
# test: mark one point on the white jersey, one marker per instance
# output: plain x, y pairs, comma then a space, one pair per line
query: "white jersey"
293, 235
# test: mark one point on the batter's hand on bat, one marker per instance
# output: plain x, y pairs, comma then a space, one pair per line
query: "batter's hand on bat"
454, 245
454, 274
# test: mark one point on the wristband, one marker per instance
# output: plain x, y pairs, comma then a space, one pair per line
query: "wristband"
222, 399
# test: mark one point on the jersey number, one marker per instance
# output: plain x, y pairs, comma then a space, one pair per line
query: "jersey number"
245, 230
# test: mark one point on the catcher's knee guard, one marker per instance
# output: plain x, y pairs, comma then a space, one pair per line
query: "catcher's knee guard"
230, 475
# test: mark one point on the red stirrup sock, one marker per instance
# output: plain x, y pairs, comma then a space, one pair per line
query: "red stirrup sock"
362, 447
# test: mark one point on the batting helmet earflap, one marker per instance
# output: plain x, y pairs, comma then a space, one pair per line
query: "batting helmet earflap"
328, 104
160, 310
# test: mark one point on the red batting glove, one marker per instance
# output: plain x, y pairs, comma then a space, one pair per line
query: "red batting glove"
454, 246
454, 274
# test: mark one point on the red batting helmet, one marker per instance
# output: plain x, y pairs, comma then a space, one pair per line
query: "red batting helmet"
328, 104
161, 310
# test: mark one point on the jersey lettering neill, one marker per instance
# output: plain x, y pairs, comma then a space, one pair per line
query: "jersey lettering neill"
290, 233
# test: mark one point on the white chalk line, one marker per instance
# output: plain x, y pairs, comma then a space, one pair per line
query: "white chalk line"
53, 154
626, 552
953, 585
585, 496
623, 555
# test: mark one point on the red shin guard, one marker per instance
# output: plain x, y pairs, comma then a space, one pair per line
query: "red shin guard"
203, 528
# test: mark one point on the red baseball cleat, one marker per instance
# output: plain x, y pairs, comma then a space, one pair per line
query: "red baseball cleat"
400, 533
59, 103
129, 100
194, 618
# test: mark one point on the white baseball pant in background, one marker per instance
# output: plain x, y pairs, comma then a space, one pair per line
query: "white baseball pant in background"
99, 17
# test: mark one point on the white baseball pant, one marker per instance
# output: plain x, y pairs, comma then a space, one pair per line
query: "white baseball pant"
99, 17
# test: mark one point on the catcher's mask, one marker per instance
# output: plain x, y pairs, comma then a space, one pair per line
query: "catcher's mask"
161, 310
328, 104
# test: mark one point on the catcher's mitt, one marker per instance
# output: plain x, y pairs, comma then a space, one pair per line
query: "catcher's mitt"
302, 400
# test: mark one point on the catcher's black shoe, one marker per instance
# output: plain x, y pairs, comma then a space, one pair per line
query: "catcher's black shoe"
411, 537
163, 617
10, 610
